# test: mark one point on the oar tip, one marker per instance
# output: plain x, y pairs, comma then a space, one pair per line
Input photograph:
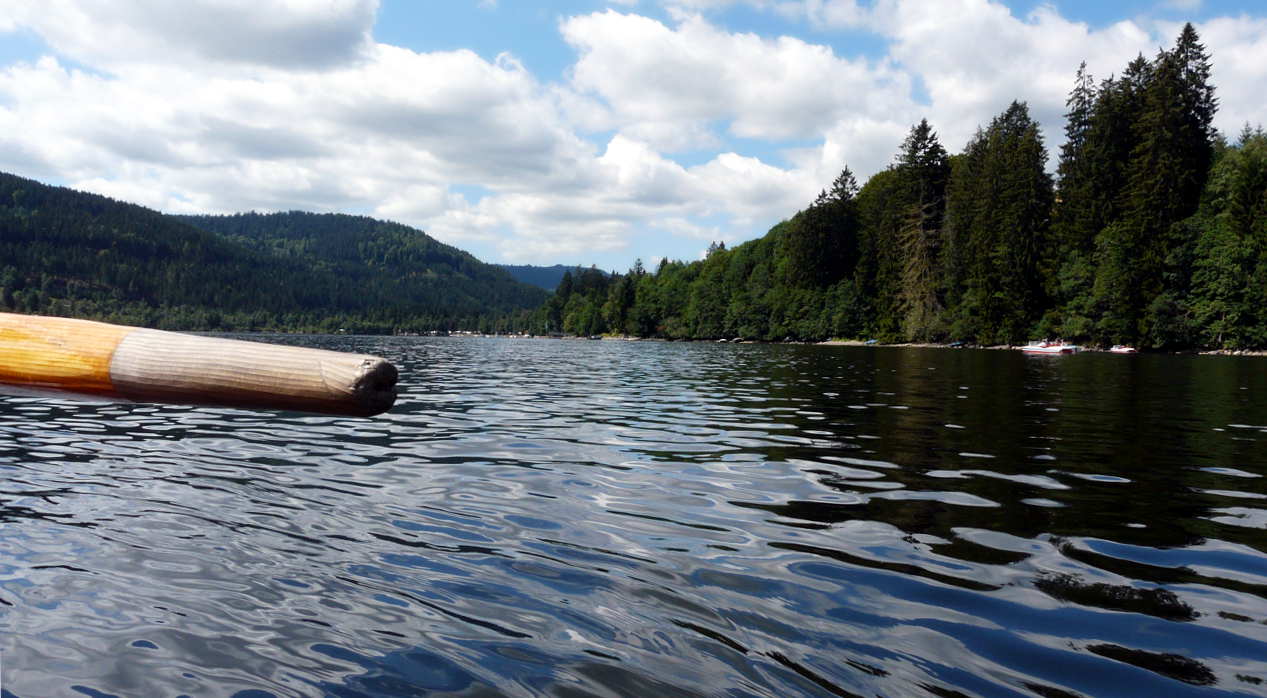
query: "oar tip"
375, 390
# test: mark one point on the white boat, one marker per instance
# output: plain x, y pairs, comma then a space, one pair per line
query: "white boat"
1122, 349
1050, 348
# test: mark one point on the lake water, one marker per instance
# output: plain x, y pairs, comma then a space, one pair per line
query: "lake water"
572, 518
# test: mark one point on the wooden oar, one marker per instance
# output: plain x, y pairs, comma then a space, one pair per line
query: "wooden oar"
140, 365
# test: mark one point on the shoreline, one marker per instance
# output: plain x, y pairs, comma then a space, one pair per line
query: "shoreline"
903, 345
827, 343
1082, 349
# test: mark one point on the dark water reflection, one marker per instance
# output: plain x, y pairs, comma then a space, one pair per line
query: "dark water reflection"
641, 519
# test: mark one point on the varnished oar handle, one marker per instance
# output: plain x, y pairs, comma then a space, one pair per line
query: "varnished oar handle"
93, 358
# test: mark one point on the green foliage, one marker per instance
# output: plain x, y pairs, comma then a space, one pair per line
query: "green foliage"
64, 252
1001, 200
1146, 249
1229, 280
821, 244
923, 169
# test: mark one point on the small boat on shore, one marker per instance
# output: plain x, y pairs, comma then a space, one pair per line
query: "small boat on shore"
1046, 347
1122, 349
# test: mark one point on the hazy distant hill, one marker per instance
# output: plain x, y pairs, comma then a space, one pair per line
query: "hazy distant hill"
542, 277
66, 252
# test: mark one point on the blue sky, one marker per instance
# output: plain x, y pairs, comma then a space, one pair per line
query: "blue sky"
575, 132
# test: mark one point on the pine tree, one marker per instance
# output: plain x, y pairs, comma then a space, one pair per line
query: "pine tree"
1110, 140
1166, 174
877, 273
821, 245
965, 192
1000, 208
1073, 224
923, 168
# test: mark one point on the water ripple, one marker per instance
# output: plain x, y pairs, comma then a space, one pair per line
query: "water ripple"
635, 519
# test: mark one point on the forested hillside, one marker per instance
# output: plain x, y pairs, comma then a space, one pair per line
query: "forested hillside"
392, 265
64, 252
1154, 233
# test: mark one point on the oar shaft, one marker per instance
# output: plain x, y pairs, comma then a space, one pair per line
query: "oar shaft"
112, 361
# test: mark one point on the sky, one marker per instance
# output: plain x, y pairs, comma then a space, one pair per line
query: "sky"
555, 132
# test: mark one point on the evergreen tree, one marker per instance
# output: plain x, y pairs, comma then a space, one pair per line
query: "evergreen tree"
1146, 270
923, 168
706, 307
1229, 294
999, 212
821, 246
1110, 139
617, 309
1073, 225
878, 274
1074, 221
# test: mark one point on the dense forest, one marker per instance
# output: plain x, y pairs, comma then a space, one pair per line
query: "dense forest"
1153, 232
398, 272
69, 253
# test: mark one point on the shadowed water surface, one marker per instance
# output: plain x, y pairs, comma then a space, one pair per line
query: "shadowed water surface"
642, 519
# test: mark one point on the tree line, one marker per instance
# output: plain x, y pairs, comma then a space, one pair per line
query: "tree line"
1153, 233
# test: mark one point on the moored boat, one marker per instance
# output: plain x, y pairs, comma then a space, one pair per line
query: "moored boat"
1122, 349
1046, 347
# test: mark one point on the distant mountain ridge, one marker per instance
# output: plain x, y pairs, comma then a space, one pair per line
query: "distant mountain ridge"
402, 262
71, 253
547, 278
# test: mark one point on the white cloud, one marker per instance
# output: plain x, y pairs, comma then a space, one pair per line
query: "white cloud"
276, 33
685, 228
397, 134
631, 190
1237, 46
344, 138
634, 171
672, 136
974, 57
228, 105
750, 190
865, 144
820, 13
695, 74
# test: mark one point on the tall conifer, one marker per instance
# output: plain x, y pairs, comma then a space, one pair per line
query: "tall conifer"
924, 169
1000, 208
821, 246
1074, 225
1149, 272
